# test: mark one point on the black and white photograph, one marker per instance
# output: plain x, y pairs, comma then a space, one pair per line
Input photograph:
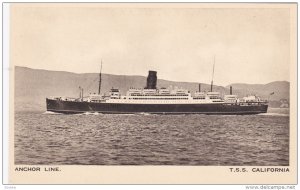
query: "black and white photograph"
146, 85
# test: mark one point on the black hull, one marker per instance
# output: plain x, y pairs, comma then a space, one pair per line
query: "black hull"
71, 107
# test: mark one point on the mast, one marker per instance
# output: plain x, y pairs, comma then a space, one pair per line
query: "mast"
212, 78
99, 89
79, 92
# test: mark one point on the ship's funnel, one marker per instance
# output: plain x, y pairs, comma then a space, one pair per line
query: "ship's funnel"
151, 80
230, 90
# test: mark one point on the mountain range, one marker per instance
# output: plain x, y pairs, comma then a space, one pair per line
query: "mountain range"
32, 86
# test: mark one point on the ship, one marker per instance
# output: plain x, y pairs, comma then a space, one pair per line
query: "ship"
153, 100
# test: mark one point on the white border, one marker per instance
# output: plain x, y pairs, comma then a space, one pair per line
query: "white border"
5, 93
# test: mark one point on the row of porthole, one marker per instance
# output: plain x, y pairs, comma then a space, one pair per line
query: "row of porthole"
159, 99
158, 94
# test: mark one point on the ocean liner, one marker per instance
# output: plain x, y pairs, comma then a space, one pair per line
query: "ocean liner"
158, 101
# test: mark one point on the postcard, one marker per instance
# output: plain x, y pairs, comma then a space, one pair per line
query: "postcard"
151, 93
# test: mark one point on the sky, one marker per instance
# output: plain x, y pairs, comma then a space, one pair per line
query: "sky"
250, 45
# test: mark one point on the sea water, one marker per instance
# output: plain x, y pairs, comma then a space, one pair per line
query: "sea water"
146, 139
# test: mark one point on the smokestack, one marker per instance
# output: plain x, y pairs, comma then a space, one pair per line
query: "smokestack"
230, 90
151, 80
199, 87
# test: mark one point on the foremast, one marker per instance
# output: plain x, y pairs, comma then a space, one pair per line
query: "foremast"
212, 78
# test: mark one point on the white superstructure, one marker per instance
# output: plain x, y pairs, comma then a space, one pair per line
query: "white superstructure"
157, 96
165, 96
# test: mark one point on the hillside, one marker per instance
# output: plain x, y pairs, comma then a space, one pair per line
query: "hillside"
280, 88
32, 86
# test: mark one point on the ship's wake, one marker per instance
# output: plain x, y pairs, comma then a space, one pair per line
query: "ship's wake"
143, 113
274, 114
90, 113
51, 113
